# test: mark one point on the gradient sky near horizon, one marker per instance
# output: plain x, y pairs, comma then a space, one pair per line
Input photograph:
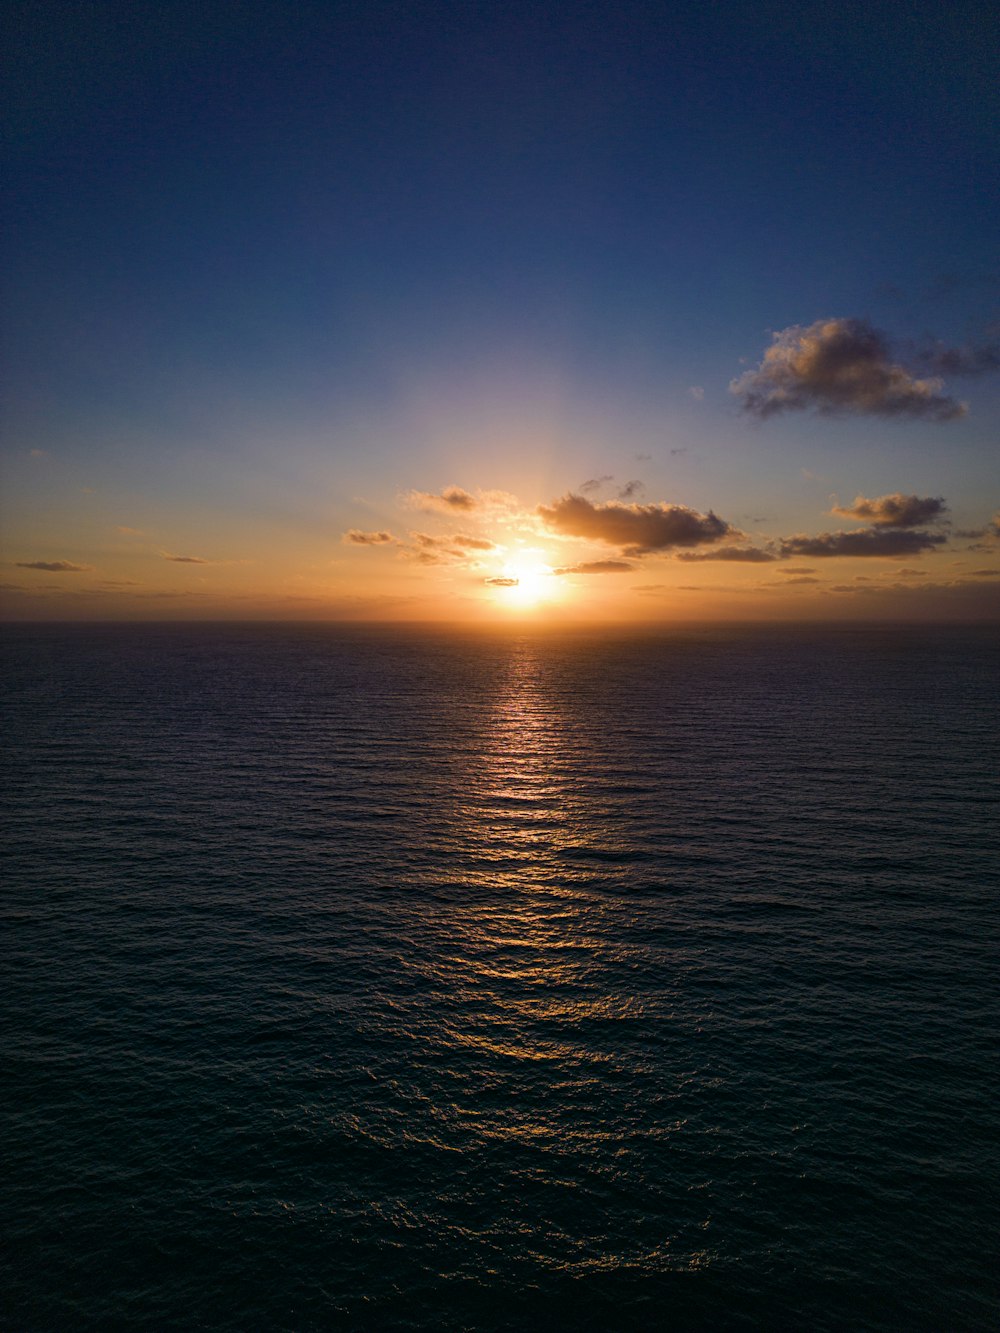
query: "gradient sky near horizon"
464, 311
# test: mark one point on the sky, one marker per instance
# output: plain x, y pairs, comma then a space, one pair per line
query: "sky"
481, 313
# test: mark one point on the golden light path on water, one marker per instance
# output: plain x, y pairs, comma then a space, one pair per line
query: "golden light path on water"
530, 965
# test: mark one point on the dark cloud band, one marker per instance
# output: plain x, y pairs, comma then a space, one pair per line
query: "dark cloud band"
54, 566
894, 511
884, 542
750, 555
637, 529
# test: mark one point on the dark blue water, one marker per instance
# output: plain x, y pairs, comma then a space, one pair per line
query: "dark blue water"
408, 980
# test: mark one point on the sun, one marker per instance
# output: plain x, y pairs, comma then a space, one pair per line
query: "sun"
535, 581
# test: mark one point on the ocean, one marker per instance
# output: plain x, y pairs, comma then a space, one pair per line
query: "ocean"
395, 978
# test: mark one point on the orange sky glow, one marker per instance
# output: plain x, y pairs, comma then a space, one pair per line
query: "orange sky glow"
483, 556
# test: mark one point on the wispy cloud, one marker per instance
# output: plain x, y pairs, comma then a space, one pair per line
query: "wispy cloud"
428, 550
54, 566
456, 501
186, 559
894, 511
751, 555
971, 358
130, 532
594, 484
502, 582
453, 499
472, 543
597, 567
630, 490
838, 366
985, 538
355, 537
962, 598
637, 529
460, 547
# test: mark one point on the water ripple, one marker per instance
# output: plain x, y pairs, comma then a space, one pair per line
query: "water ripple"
404, 980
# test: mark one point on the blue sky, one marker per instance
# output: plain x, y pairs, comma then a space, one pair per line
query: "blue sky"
274, 267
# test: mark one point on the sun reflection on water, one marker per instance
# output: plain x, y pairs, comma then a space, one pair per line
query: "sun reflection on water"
533, 945
531, 1006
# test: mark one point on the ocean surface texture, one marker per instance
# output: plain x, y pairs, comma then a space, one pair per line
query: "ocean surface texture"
377, 979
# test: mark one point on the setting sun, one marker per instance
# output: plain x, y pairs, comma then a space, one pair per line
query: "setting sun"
534, 580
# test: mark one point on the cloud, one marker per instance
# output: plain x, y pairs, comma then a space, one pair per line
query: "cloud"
499, 506
502, 582
894, 511
638, 529
597, 567
54, 566
957, 598
356, 537
697, 393
450, 501
130, 532
799, 578
980, 358
751, 555
595, 484
989, 536
433, 550
429, 550
38, 453
630, 489
884, 542
186, 559
838, 366
165, 596
800, 569
674, 453
472, 543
